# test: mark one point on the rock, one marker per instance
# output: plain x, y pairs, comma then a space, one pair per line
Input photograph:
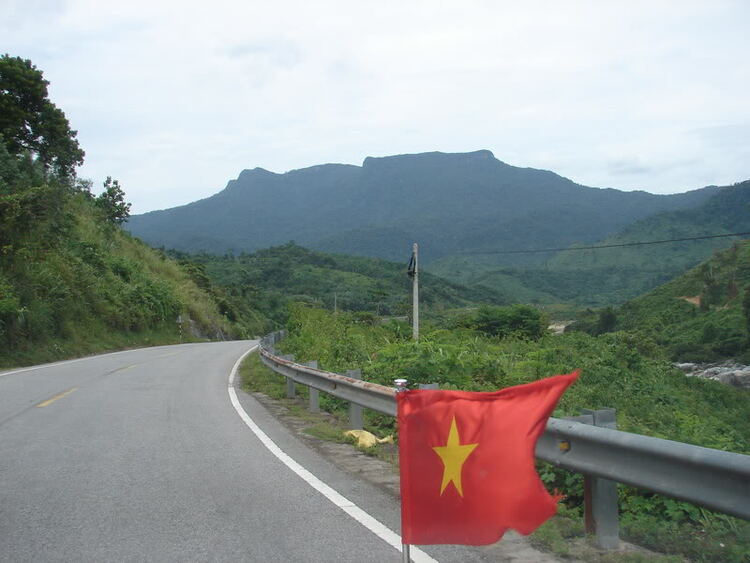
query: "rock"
728, 373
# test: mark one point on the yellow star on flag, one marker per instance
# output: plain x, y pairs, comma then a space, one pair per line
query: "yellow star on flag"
453, 456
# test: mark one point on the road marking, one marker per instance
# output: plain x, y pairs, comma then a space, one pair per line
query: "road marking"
369, 522
167, 355
56, 397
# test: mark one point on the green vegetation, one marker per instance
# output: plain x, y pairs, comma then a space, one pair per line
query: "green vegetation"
71, 281
88, 286
30, 123
700, 316
521, 321
272, 278
613, 275
623, 370
112, 202
564, 535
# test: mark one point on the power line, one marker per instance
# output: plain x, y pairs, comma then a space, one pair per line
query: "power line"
621, 245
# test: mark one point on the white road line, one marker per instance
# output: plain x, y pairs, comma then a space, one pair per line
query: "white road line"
369, 522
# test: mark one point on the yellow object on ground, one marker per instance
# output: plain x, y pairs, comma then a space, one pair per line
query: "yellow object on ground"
367, 440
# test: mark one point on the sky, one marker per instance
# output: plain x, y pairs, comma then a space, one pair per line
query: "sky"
175, 98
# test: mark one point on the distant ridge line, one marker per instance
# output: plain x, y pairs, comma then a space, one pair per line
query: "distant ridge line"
643, 243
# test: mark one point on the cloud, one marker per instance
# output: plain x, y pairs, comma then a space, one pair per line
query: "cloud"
628, 167
175, 98
726, 136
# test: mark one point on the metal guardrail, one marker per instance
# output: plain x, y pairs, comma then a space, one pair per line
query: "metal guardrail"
369, 395
711, 478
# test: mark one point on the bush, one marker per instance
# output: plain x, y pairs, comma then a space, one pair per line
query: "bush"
520, 321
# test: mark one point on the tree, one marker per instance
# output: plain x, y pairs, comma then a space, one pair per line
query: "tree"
30, 122
517, 320
112, 202
607, 320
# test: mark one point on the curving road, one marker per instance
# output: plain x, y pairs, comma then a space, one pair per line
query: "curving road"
141, 456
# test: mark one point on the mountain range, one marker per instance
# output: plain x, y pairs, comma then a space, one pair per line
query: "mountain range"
467, 211
623, 270
450, 203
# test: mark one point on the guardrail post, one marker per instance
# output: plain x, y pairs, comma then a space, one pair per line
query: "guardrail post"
355, 411
600, 495
314, 396
291, 392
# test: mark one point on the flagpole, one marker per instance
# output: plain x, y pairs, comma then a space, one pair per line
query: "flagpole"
405, 551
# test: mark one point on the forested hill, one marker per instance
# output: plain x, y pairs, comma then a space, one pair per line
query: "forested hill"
613, 275
72, 282
702, 315
271, 278
450, 203
726, 211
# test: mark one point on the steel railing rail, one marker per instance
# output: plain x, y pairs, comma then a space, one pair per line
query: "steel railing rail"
369, 395
711, 478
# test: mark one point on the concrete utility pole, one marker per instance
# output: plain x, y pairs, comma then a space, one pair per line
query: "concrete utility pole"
415, 296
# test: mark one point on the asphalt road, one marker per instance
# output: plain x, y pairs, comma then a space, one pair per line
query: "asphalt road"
140, 456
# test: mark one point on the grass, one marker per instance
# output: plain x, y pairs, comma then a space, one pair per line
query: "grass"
94, 288
257, 378
564, 536
324, 430
88, 343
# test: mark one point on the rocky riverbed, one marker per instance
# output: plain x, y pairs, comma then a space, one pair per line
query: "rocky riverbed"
728, 373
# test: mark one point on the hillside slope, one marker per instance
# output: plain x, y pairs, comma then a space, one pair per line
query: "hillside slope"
290, 272
450, 203
71, 281
77, 284
703, 315
726, 211
613, 275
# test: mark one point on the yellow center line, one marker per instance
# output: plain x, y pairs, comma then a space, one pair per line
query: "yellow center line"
56, 397
168, 355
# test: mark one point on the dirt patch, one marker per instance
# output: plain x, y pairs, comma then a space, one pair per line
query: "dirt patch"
692, 300
558, 327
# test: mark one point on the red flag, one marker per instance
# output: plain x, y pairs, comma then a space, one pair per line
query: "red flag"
467, 462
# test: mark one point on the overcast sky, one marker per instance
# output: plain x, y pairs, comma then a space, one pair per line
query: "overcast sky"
176, 98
